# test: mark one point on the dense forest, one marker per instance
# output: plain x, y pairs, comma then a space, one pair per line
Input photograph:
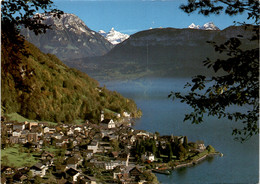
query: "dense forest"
39, 86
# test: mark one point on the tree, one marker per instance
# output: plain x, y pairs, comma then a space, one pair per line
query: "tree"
16, 14
22, 13
239, 85
169, 151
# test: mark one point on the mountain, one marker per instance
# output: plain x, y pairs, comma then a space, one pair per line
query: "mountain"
207, 26
114, 36
39, 86
69, 38
165, 52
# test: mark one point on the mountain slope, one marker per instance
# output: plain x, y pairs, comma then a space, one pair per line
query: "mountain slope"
162, 52
69, 38
41, 87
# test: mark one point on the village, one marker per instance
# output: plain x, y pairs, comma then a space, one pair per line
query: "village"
108, 152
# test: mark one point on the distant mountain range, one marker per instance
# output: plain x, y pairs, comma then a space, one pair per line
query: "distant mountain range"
165, 52
113, 36
69, 38
160, 51
207, 26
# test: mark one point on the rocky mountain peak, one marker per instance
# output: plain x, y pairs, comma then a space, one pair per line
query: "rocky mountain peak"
113, 36
69, 38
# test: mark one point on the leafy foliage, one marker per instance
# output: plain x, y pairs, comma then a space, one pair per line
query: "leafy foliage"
41, 87
17, 13
230, 7
239, 85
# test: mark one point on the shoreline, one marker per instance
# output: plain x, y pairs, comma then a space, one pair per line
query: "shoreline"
189, 164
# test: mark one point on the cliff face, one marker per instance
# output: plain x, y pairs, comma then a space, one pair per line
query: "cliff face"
69, 38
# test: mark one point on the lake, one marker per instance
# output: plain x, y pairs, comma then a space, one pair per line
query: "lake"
240, 163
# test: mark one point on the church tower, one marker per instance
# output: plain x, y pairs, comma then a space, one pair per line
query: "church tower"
102, 116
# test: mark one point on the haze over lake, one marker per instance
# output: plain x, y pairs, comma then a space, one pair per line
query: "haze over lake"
240, 161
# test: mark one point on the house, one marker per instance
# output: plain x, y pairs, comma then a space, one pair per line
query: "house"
7, 170
46, 156
60, 142
72, 174
46, 129
108, 123
126, 114
88, 154
19, 177
110, 165
114, 154
201, 145
70, 132
123, 161
32, 137
18, 126
142, 134
31, 124
60, 168
37, 130
135, 172
148, 156
57, 135
83, 179
93, 146
132, 139
14, 139
22, 140
17, 133
73, 162
38, 170
78, 129
25, 133
52, 130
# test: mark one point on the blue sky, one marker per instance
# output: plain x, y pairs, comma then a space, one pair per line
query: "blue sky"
131, 16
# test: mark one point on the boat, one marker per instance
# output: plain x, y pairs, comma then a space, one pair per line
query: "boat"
166, 171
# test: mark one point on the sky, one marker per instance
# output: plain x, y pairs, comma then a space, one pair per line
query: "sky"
131, 16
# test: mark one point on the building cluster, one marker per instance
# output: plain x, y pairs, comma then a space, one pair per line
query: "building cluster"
81, 151
86, 146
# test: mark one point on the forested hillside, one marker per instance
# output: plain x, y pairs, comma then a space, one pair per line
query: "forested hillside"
39, 86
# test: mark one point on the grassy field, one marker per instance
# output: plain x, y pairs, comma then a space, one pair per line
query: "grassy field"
19, 118
14, 156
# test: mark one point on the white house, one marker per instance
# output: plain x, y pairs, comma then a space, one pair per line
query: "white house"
148, 156
126, 114
46, 130
17, 133
108, 123
110, 165
73, 173
39, 170
70, 132
78, 129
93, 146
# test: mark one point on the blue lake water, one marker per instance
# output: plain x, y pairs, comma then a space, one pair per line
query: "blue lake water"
240, 163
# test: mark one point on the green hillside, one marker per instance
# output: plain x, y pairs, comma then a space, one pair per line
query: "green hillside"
39, 86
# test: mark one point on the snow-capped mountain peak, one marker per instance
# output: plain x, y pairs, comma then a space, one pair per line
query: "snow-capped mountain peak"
207, 26
210, 26
113, 36
193, 26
